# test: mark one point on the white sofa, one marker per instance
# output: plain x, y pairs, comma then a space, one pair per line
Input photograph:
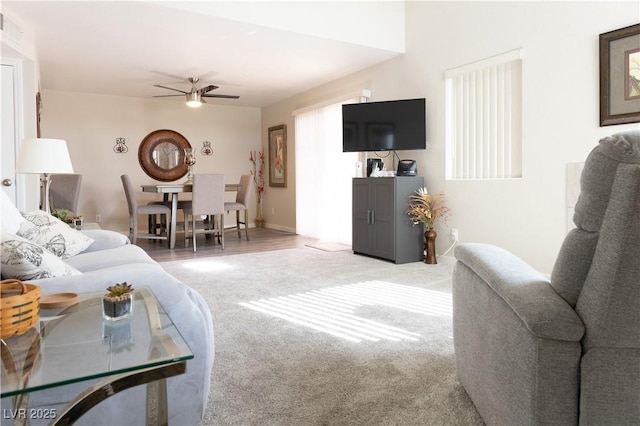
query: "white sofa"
110, 259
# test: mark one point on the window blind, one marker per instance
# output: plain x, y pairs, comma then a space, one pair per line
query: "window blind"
483, 119
323, 174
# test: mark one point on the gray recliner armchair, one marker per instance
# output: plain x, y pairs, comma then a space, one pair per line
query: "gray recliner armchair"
565, 350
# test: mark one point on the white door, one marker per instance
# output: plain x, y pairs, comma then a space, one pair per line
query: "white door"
8, 135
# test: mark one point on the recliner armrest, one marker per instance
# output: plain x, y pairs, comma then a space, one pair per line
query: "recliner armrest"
526, 291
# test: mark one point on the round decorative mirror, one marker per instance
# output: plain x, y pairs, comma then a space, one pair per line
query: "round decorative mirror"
161, 155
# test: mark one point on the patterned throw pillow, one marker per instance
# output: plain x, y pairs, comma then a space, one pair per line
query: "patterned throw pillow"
25, 260
53, 234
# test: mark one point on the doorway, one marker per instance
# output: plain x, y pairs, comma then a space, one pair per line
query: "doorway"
8, 75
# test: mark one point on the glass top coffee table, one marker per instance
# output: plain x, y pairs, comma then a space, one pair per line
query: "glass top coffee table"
75, 344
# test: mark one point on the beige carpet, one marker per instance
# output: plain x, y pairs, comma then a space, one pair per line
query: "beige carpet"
330, 246
311, 337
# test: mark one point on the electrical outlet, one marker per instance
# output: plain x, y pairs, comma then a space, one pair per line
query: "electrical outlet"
98, 218
454, 234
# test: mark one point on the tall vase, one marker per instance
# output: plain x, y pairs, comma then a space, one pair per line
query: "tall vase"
259, 221
189, 160
430, 238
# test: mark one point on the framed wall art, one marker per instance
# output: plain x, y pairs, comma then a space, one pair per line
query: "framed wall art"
278, 156
620, 76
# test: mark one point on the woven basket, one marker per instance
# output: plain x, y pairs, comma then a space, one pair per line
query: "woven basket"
19, 307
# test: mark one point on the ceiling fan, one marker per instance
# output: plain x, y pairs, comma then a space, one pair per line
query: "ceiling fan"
195, 96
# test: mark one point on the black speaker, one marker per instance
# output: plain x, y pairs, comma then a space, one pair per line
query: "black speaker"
407, 168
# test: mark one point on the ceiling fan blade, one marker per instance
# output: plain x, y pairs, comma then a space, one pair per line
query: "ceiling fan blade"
164, 96
178, 78
170, 88
207, 89
221, 96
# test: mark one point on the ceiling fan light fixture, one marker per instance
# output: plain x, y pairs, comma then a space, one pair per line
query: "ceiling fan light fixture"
194, 100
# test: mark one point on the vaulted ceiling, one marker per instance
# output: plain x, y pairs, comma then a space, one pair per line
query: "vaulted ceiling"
262, 51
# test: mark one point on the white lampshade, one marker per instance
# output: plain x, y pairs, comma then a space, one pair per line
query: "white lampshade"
43, 156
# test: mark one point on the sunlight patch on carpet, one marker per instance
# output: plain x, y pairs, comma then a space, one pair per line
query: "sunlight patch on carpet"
207, 265
332, 310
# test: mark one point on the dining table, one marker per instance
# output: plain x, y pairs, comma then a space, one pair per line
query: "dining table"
170, 192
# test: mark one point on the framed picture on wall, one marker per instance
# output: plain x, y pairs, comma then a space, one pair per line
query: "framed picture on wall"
620, 76
278, 156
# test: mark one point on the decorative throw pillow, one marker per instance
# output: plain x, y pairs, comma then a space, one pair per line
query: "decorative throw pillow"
53, 234
26, 260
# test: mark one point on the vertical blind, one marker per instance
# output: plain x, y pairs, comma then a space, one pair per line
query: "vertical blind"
323, 175
483, 119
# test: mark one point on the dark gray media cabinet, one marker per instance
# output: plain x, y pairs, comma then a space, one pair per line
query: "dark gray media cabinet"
381, 226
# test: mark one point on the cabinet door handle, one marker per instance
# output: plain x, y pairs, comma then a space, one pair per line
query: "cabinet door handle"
373, 217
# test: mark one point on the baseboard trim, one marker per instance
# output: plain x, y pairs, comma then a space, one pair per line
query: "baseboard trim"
280, 228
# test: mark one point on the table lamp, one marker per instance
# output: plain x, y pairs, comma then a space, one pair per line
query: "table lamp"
44, 157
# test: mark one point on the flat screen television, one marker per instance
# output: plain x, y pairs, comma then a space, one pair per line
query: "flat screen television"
398, 125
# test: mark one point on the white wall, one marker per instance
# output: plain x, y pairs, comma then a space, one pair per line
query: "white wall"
560, 118
91, 123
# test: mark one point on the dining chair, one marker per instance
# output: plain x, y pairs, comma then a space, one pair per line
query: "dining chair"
158, 223
147, 209
207, 199
241, 204
64, 192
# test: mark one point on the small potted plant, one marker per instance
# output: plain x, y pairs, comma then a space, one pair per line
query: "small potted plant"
117, 303
428, 210
62, 214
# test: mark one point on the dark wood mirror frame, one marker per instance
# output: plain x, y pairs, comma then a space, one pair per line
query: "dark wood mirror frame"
148, 146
